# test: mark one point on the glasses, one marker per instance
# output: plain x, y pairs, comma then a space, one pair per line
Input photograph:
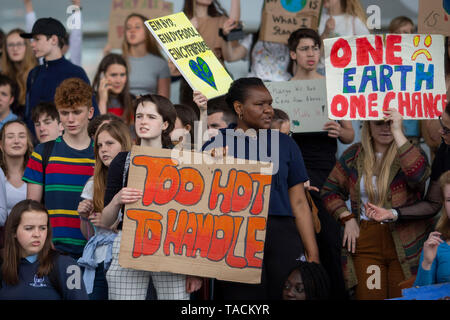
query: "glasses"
444, 128
17, 44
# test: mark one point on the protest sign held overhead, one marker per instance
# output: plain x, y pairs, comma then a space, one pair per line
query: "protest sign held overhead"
196, 217
281, 17
193, 58
120, 9
369, 74
305, 101
434, 17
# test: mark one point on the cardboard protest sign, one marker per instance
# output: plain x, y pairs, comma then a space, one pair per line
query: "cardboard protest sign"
369, 74
196, 217
281, 17
189, 52
434, 17
120, 9
305, 101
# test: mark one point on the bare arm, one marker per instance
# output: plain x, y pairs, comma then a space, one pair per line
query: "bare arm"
34, 191
304, 221
163, 88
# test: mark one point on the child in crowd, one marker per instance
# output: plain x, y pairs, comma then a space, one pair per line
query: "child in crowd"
110, 139
46, 122
7, 98
31, 269
154, 120
111, 84
149, 72
307, 281
16, 148
70, 164
434, 265
280, 121
48, 34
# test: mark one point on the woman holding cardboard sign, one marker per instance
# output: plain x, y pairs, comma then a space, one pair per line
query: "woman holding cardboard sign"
154, 120
387, 170
289, 229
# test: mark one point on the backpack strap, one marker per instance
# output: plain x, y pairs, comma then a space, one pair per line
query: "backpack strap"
47, 151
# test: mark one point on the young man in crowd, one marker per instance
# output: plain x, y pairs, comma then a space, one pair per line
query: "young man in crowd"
319, 153
70, 164
46, 121
48, 40
7, 92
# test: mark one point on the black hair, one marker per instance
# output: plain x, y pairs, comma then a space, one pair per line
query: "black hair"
238, 90
7, 81
315, 280
47, 108
280, 115
294, 39
187, 116
61, 40
219, 104
95, 122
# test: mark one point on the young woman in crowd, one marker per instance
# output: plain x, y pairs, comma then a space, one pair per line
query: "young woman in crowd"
16, 147
155, 117
385, 169
149, 72
307, 281
16, 62
434, 266
31, 269
290, 231
111, 85
110, 139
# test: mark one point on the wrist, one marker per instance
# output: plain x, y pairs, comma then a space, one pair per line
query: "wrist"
394, 214
426, 265
345, 219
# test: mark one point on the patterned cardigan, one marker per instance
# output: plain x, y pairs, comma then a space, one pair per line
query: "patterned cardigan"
407, 179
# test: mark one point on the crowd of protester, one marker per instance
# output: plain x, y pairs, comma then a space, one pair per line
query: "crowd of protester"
65, 156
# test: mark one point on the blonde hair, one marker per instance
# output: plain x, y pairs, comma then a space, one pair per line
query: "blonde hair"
372, 167
18, 71
443, 224
354, 8
119, 131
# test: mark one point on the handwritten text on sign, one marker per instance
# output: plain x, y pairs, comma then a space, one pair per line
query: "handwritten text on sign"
305, 101
189, 52
369, 74
205, 220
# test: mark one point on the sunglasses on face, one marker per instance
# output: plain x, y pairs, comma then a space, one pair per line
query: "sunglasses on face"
444, 128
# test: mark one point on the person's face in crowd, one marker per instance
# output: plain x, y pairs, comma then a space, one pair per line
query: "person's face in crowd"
256, 110
149, 123
16, 47
405, 28
116, 76
135, 31
6, 99
283, 126
32, 232
445, 127
381, 132
75, 120
42, 46
179, 132
447, 199
203, 2
15, 144
47, 128
215, 122
307, 54
108, 147
293, 288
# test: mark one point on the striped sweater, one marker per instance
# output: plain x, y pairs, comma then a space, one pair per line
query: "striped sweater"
66, 174
407, 179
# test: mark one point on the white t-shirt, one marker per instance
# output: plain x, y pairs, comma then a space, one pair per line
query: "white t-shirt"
364, 194
269, 59
345, 25
3, 211
14, 195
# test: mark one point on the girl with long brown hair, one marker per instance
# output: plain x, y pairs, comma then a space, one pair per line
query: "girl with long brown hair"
148, 70
16, 62
31, 269
110, 139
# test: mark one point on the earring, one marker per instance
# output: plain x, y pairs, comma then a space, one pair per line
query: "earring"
240, 116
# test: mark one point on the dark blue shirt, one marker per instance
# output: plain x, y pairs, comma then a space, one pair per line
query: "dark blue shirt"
33, 287
44, 79
269, 146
